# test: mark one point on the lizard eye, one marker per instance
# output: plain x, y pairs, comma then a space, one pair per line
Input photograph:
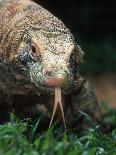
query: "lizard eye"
33, 49
35, 54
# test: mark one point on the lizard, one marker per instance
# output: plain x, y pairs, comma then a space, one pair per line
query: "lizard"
37, 54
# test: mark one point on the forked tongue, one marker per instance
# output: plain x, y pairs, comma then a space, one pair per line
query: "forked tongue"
58, 101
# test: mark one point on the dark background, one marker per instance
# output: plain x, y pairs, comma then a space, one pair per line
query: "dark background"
87, 18
93, 23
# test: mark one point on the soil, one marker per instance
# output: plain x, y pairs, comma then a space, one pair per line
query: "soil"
105, 88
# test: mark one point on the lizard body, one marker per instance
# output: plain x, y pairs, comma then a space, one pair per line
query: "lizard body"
37, 54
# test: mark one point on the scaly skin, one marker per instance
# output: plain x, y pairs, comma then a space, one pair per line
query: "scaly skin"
37, 54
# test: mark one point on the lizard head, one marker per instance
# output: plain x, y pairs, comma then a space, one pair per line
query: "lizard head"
52, 58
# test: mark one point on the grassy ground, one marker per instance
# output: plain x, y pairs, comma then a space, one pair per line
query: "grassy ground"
20, 138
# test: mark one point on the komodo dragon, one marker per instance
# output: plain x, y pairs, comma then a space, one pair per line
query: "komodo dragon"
38, 53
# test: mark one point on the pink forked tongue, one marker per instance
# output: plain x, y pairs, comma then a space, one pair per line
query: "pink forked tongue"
58, 102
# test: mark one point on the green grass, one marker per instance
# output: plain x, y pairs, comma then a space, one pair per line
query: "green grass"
20, 138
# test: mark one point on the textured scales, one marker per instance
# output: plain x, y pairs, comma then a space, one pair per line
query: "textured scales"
38, 54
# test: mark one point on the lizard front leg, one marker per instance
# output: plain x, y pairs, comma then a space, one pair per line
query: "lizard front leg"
83, 101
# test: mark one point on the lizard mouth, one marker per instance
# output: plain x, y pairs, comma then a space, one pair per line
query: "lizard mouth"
48, 86
54, 82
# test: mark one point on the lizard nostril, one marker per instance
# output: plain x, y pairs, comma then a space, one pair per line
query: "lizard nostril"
48, 73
